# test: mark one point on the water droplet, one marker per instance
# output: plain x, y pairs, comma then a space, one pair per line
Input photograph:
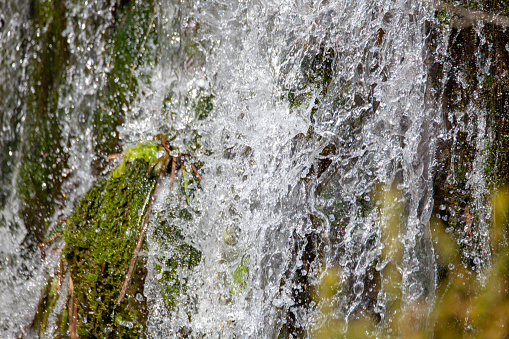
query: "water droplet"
358, 288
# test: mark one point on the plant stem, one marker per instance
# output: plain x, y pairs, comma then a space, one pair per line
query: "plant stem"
141, 237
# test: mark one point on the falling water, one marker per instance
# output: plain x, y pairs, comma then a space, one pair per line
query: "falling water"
316, 150
258, 179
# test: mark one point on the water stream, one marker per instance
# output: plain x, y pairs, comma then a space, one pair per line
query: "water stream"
317, 157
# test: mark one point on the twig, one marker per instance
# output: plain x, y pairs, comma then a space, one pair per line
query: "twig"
50, 240
141, 237
115, 156
173, 170
196, 171
166, 145
73, 312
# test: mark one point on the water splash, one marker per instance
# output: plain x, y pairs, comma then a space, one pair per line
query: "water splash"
315, 126
268, 180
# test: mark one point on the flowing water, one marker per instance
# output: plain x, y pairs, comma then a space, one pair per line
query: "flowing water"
316, 157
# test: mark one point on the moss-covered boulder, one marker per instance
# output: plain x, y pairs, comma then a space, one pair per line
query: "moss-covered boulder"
99, 241
99, 245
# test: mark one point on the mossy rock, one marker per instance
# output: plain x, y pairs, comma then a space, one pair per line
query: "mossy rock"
42, 147
99, 245
99, 241
130, 39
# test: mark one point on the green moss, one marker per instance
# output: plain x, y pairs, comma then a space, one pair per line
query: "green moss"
203, 106
177, 258
146, 151
43, 156
99, 244
132, 31
240, 275
43, 159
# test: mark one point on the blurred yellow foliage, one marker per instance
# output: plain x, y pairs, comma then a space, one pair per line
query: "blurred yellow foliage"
467, 304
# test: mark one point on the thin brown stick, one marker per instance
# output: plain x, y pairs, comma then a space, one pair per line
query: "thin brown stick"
141, 237
49, 241
115, 156
173, 170
73, 312
196, 171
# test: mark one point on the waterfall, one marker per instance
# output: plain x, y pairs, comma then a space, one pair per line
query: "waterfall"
319, 129
258, 181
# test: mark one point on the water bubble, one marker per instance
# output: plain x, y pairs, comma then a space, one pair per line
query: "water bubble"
358, 288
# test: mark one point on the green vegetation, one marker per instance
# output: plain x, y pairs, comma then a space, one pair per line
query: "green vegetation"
240, 275
130, 50
43, 158
99, 242
146, 151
